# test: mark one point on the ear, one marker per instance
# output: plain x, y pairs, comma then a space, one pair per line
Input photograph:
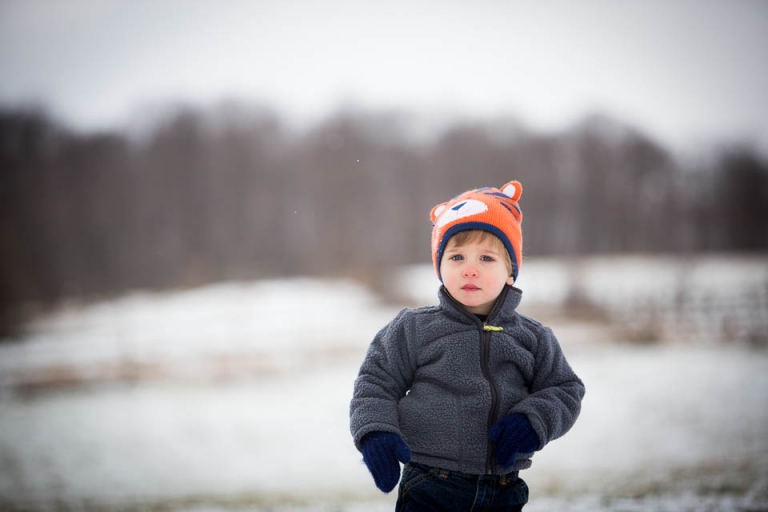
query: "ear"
436, 211
513, 189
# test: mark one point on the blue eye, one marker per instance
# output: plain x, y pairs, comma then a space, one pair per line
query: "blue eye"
486, 258
456, 257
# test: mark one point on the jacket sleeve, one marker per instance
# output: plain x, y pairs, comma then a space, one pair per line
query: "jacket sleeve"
556, 392
385, 376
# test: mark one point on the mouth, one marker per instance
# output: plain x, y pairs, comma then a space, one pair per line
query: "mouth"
470, 288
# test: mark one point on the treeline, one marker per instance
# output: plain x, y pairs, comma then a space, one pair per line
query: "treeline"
231, 193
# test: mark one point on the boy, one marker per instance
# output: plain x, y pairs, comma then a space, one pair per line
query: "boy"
464, 392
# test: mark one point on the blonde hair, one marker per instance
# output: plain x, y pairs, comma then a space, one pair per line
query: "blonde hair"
469, 236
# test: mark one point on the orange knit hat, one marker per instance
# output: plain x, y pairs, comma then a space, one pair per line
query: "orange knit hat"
488, 209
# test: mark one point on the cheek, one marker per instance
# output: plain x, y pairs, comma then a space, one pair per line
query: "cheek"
446, 275
450, 278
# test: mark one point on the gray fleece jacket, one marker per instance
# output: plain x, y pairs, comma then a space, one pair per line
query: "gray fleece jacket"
440, 378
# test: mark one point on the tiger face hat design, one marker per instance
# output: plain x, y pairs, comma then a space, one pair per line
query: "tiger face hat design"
488, 209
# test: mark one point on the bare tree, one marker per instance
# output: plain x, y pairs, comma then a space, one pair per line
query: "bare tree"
228, 193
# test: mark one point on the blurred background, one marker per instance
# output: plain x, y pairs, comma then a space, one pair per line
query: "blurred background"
207, 210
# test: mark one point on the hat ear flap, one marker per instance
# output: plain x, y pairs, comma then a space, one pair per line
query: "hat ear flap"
513, 189
436, 211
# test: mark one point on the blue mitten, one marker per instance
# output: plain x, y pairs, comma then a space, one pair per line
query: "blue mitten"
513, 434
381, 453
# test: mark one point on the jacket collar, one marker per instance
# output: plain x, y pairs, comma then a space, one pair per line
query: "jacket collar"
502, 312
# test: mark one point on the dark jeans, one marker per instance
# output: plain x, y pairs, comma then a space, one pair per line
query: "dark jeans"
424, 489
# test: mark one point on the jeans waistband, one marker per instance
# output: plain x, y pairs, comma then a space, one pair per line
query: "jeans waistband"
447, 473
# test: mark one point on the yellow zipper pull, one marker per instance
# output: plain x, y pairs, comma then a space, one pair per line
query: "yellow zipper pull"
492, 328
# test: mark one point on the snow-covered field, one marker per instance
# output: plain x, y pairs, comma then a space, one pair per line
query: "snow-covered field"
235, 396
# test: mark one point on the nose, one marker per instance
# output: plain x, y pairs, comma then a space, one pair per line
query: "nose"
470, 271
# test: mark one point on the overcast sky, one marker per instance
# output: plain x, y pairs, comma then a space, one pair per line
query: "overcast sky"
688, 72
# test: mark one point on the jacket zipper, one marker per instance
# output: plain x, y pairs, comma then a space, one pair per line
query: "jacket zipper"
485, 361
485, 364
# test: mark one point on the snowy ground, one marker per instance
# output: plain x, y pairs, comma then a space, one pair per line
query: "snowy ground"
235, 397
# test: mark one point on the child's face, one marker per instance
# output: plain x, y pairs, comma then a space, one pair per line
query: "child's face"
475, 273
